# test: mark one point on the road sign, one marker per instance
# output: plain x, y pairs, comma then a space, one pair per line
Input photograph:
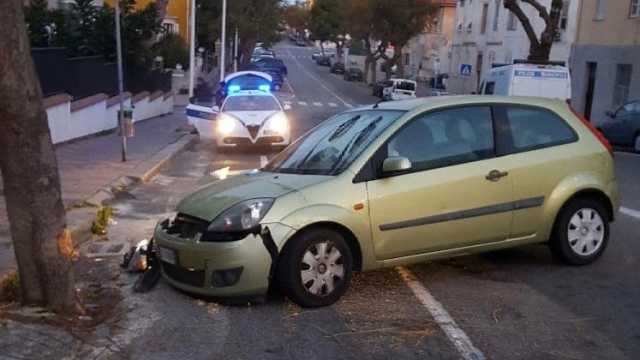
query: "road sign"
465, 69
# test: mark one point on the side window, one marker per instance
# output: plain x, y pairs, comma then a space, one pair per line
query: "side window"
445, 138
630, 108
489, 88
532, 128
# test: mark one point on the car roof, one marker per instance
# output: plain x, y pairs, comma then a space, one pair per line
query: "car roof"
434, 102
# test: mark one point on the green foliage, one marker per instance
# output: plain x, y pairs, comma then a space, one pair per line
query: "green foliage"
38, 22
297, 16
326, 22
208, 22
10, 287
100, 224
173, 50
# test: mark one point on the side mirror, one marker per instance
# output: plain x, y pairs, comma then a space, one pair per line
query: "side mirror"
215, 108
286, 107
611, 114
395, 164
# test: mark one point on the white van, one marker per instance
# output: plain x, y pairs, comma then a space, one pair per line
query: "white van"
399, 89
548, 81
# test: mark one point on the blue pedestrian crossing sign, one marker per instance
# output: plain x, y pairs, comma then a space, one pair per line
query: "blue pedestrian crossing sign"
465, 69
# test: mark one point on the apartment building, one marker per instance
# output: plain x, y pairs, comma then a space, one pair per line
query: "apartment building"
486, 33
606, 56
428, 55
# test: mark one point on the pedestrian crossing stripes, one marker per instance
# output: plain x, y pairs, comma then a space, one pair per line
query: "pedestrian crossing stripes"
318, 104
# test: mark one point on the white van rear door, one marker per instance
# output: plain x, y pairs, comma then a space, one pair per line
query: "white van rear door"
541, 83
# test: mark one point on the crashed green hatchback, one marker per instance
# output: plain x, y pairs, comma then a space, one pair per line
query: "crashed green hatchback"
391, 184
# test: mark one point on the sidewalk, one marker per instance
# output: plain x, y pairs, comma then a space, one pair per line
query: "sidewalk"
89, 164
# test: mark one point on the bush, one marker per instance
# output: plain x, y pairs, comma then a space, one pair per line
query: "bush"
99, 226
10, 287
173, 50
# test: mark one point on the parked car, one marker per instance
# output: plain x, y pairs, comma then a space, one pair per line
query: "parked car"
267, 64
337, 68
324, 60
398, 182
379, 86
301, 43
399, 89
623, 126
521, 79
353, 74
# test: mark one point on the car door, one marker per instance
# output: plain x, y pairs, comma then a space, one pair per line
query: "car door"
538, 149
455, 193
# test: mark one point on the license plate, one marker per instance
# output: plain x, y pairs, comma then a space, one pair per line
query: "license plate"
168, 255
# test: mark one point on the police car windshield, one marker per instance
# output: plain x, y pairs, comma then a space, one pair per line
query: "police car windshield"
251, 103
334, 144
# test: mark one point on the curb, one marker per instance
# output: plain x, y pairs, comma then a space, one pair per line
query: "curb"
79, 219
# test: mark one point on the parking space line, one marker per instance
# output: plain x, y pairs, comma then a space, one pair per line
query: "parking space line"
333, 105
315, 103
630, 212
459, 338
302, 103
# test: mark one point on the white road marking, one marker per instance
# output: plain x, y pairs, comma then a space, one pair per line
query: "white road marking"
288, 84
630, 212
286, 103
333, 105
302, 103
263, 161
317, 104
460, 340
319, 82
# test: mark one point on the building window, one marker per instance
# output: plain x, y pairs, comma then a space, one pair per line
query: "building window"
635, 8
169, 28
512, 23
623, 81
461, 3
496, 15
406, 59
564, 16
601, 9
483, 22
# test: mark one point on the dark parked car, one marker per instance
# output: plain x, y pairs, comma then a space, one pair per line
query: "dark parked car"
353, 74
379, 86
266, 63
324, 60
301, 43
623, 126
337, 68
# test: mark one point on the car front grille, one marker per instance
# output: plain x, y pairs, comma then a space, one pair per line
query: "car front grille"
253, 130
186, 226
184, 276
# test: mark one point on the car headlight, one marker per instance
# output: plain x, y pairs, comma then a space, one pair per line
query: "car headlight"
278, 123
241, 217
226, 124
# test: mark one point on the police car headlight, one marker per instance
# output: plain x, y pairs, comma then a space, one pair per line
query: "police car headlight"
278, 123
226, 124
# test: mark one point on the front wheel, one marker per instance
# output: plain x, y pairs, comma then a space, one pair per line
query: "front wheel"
581, 232
315, 269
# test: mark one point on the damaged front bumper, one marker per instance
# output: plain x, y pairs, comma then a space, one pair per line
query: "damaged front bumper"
219, 269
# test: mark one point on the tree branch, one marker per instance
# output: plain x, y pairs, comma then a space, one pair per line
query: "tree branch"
542, 10
514, 7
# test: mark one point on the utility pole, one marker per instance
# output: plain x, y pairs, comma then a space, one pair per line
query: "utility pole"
120, 84
223, 39
235, 52
192, 48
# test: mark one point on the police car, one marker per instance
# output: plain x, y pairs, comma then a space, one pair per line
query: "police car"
246, 118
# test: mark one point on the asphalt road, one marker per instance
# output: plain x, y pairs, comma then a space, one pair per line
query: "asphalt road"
513, 304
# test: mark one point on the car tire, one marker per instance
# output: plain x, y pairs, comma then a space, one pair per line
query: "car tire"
581, 232
636, 144
303, 259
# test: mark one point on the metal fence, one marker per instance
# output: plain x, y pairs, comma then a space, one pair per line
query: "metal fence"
86, 76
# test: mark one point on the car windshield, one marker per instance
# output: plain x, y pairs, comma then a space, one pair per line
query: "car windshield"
333, 145
251, 103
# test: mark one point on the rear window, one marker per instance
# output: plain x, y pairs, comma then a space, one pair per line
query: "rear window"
529, 128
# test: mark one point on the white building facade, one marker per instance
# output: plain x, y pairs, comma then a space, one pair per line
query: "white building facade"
486, 34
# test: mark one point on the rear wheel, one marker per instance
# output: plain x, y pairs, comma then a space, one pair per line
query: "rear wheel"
315, 270
581, 232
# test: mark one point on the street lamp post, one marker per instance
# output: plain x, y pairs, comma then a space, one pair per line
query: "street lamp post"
120, 84
223, 38
192, 48
235, 51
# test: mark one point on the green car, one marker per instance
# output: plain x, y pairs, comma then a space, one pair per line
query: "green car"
397, 183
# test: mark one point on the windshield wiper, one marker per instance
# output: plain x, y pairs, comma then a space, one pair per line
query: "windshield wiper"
355, 142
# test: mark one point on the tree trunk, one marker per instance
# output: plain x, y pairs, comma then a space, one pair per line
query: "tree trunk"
374, 71
43, 246
397, 55
539, 48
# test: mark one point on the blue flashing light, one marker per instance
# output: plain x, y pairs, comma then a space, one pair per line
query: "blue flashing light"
264, 87
233, 88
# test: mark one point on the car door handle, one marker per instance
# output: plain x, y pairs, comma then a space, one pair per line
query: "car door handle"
495, 175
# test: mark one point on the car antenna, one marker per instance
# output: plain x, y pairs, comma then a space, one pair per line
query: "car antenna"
375, 106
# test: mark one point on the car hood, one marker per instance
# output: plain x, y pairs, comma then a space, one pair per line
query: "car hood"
251, 117
208, 202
